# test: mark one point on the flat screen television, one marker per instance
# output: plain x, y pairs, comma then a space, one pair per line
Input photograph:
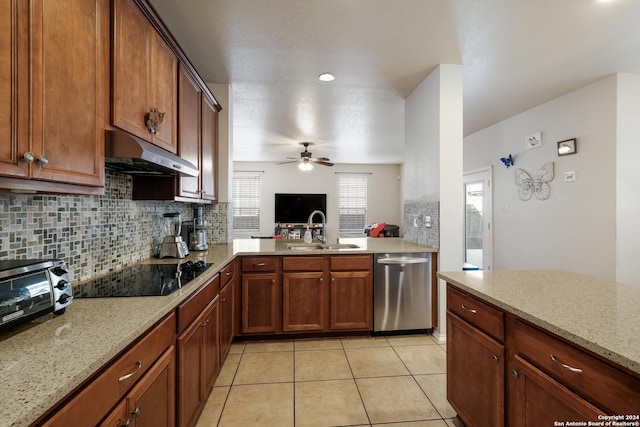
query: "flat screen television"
296, 208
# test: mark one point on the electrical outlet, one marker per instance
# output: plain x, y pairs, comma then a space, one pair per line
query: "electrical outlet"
427, 221
570, 176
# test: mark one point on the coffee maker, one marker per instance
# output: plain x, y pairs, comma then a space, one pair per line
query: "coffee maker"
198, 237
173, 246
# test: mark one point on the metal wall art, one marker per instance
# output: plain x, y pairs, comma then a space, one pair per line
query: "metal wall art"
566, 147
533, 141
538, 185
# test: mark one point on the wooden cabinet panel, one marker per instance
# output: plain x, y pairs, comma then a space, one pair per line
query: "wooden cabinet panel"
54, 98
303, 301
151, 402
193, 306
302, 263
259, 303
475, 374
476, 312
144, 77
118, 417
255, 264
211, 345
227, 315
209, 140
351, 262
597, 381
351, 303
189, 130
228, 273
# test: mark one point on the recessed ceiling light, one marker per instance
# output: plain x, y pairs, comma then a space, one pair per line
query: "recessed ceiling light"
326, 77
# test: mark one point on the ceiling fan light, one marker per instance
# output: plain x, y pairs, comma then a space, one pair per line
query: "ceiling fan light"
305, 166
326, 77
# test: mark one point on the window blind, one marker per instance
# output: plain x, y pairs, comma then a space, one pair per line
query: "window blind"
246, 203
352, 203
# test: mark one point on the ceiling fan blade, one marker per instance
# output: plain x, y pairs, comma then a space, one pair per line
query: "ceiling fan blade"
324, 163
321, 159
289, 161
293, 158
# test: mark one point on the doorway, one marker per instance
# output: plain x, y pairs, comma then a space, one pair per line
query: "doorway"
478, 237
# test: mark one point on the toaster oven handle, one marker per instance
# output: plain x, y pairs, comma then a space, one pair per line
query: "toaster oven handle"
129, 375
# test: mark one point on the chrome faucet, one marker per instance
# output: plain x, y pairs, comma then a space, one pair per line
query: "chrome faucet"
322, 238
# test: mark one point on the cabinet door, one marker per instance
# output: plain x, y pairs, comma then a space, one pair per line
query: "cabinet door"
118, 417
189, 131
164, 91
535, 399
13, 85
151, 402
475, 374
210, 346
351, 300
303, 301
259, 303
209, 170
69, 89
226, 318
190, 384
131, 68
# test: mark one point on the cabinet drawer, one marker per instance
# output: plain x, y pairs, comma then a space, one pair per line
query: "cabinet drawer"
351, 262
193, 306
227, 274
476, 312
599, 382
262, 263
95, 400
302, 263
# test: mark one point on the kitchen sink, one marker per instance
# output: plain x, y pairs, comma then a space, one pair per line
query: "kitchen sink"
320, 246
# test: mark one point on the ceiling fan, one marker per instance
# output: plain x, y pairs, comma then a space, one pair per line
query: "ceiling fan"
306, 161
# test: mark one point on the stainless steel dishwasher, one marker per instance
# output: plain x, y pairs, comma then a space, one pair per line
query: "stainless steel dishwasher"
402, 292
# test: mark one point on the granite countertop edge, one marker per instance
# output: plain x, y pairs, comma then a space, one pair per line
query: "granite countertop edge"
570, 325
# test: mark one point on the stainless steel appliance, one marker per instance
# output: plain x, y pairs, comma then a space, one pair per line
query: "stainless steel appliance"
173, 246
32, 288
402, 292
198, 238
141, 280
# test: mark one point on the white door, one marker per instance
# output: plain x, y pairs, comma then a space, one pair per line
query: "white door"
478, 240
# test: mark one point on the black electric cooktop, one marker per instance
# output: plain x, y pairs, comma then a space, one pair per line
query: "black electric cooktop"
141, 280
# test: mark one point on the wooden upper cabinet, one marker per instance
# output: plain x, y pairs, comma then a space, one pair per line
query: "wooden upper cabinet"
189, 107
54, 65
145, 74
208, 170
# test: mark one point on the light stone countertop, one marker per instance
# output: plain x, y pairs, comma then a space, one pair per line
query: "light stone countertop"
599, 315
44, 360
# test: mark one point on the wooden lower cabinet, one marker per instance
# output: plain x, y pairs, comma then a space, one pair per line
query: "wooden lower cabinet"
351, 303
303, 301
538, 400
260, 303
198, 362
475, 374
151, 403
227, 315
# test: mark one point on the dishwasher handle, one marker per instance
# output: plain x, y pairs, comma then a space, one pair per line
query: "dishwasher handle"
403, 260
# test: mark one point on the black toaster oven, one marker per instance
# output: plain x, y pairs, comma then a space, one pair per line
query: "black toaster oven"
32, 288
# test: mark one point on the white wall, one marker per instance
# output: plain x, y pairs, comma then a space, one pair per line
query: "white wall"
628, 179
433, 163
575, 229
383, 190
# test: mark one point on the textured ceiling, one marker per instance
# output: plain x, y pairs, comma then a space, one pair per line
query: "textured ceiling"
516, 54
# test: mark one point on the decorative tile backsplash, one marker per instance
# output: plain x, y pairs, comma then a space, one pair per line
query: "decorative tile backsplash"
95, 234
414, 213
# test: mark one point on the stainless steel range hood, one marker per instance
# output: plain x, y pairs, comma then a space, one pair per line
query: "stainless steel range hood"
130, 155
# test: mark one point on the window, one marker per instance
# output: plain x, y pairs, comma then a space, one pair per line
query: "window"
246, 202
352, 203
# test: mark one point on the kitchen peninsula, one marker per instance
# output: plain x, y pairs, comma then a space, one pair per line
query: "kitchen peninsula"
551, 339
95, 331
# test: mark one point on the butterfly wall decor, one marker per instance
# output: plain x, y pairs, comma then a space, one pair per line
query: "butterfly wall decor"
538, 185
508, 161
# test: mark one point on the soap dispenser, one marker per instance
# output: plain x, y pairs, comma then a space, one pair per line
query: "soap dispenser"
307, 236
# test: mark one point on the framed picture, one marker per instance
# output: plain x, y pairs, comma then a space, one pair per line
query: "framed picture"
533, 141
566, 147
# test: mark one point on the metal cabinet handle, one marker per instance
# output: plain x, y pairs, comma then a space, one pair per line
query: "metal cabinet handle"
137, 412
28, 157
43, 160
321, 280
273, 281
126, 423
495, 358
260, 264
206, 323
470, 310
229, 273
571, 368
515, 373
223, 300
135, 371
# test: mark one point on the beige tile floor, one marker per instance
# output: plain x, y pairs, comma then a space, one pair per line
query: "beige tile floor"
383, 381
